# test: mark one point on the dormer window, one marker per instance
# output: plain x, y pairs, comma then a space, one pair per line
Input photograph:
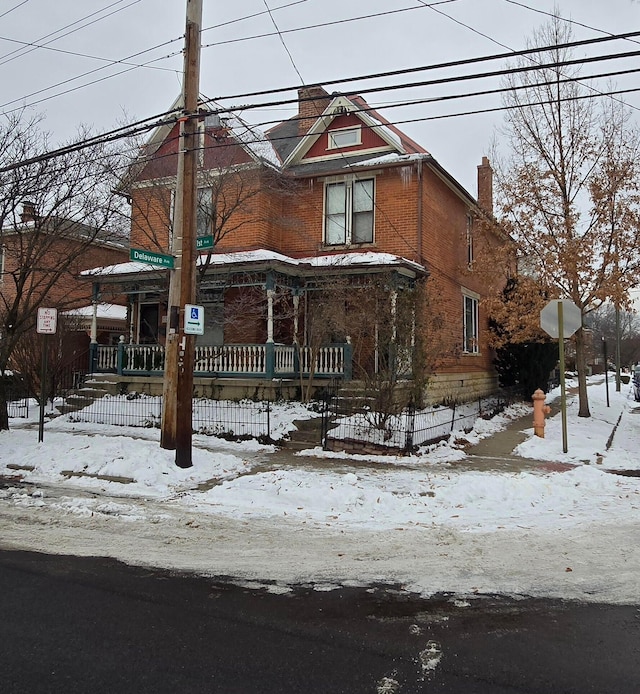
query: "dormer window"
344, 137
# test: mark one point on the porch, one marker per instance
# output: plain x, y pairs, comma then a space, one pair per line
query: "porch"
260, 361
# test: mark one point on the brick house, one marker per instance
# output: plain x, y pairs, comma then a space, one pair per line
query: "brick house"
334, 197
41, 258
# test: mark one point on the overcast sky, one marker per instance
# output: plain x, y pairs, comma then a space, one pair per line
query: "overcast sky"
105, 62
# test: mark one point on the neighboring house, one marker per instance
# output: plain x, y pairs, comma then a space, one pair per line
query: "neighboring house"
41, 258
334, 197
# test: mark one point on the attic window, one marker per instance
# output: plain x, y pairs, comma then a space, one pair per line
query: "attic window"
344, 137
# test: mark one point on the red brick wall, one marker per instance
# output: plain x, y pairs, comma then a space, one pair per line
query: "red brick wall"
288, 219
68, 291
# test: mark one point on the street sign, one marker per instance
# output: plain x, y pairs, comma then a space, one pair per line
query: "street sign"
203, 242
193, 319
47, 321
571, 318
151, 257
561, 318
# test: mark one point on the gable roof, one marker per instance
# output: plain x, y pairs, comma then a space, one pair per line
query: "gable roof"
343, 112
243, 143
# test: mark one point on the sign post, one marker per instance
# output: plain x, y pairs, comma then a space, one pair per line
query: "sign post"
47, 324
561, 318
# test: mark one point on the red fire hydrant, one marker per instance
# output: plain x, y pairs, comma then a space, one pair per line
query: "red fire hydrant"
539, 412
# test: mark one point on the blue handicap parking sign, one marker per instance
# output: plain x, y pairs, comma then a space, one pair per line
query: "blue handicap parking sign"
194, 312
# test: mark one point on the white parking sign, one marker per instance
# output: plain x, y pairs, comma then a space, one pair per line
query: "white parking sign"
47, 321
193, 319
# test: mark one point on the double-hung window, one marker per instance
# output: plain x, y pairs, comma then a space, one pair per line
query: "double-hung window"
349, 212
470, 344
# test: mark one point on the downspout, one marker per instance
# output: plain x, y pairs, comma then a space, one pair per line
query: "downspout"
419, 212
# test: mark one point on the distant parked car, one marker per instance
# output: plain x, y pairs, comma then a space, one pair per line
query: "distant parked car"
636, 383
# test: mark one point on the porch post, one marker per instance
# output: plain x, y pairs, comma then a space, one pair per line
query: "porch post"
94, 316
270, 294
132, 318
270, 286
394, 333
120, 358
394, 305
296, 308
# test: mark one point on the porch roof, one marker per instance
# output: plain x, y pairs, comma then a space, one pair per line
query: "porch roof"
263, 260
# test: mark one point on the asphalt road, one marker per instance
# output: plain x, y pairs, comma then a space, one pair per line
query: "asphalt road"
90, 625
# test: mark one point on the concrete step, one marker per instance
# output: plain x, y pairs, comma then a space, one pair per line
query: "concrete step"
80, 399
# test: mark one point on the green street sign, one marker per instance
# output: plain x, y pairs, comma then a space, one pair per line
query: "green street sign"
151, 257
204, 242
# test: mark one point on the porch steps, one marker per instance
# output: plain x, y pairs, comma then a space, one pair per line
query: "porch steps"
81, 398
307, 435
104, 382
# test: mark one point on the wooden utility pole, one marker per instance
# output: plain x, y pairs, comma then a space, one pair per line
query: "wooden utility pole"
176, 430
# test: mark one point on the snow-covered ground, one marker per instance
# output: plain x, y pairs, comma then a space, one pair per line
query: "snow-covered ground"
431, 522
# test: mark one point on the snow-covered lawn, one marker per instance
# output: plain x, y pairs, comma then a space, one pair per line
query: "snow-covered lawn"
422, 521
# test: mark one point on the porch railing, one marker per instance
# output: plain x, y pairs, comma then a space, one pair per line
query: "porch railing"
231, 361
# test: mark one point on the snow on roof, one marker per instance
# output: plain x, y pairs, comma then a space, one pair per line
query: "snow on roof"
389, 158
119, 269
254, 140
265, 256
250, 137
113, 311
348, 259
260, 255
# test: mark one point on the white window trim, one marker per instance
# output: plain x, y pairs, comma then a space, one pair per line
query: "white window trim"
332, 144
348, 181
475, 347
3, 252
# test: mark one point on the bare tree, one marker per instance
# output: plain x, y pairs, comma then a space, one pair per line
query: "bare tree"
58, 216
568, 190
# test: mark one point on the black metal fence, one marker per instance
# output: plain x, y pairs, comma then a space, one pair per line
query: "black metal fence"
223, 418
350, 425
17, 402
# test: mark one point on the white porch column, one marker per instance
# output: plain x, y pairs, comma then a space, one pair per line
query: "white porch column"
394, 303
94, 324
270, 295
296, 309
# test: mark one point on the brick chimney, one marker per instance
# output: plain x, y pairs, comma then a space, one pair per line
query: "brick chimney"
28, 211
485, 186
312, 102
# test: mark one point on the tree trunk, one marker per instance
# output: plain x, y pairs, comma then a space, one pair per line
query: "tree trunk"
4, 410
581, 367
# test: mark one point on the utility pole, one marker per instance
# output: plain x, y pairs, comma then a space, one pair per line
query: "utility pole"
176, 430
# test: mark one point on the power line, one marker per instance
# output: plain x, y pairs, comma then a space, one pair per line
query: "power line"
254, 15
444, 80
116, 134
282, 41
553, 15
24, 2
91, 72
437, 66
322, 25
57, 31
75, 54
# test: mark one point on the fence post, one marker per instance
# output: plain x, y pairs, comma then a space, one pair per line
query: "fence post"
324, 424
269, 419
120, 358
270, 359
348, 361
453, 415
411, 424
93, 357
